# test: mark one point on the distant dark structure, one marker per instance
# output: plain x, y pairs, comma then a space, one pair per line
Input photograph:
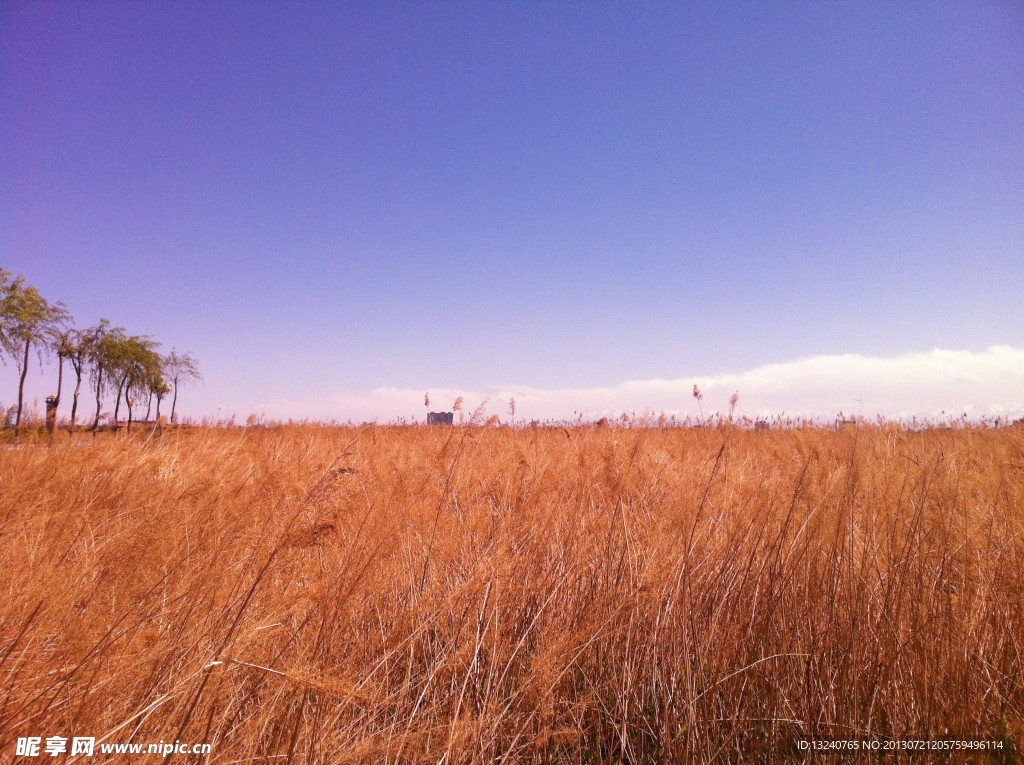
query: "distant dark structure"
440, 418
51, 412
762, 425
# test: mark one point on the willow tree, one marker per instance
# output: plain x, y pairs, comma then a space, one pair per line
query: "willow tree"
27, 320
62, 346
159, 389
130, 360
103, 343
138, 364
180, 369
76, 351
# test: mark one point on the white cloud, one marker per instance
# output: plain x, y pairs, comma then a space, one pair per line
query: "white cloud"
924, 384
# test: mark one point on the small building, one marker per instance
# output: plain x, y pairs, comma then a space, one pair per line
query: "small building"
440, 418
51, 412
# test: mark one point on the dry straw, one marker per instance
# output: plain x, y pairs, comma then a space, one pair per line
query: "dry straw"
403, 594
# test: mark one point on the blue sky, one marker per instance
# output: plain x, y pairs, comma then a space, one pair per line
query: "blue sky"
323, 200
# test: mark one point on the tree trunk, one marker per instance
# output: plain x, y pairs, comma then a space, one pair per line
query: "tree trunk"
60, 377
158, 400
149, 405
21, 391
174, 403
74, 401
99, 402
128, 401
117, 401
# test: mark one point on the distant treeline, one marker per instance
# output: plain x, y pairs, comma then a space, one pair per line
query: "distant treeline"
111, 360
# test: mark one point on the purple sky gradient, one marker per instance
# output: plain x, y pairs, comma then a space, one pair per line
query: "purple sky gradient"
325, 199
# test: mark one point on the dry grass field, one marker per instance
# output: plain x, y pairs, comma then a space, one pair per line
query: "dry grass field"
471, 595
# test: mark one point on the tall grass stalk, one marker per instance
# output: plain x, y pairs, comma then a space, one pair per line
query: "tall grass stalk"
386, 594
